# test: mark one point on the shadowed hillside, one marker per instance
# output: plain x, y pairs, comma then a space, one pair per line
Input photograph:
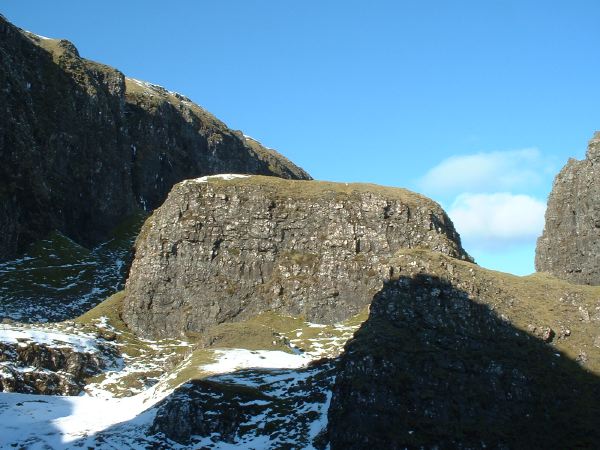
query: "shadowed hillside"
83, 147
435, 366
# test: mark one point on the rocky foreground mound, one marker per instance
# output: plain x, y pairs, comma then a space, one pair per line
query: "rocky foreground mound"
570, 244
226, 248
455, 356
82, 146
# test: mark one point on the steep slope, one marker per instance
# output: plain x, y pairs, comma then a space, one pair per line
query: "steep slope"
57, 279
570, 244
455, 356
223, 248
83, 147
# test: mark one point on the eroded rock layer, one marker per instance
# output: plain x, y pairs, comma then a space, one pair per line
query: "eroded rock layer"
570, 245
222, 249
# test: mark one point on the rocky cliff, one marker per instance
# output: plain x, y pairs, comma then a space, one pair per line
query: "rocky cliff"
82, 146
455, 356
570, 244
224, 248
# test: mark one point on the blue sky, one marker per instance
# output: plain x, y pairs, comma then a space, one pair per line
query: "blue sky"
476, 104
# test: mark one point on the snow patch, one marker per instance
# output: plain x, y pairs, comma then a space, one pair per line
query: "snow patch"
157, 88
39, 36
231, 360
79, 343
57, 421
223, 176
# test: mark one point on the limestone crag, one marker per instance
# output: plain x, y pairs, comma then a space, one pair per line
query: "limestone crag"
223, 249
83, 147
570, 244
449, 358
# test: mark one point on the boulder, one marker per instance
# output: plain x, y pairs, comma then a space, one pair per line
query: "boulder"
34, 361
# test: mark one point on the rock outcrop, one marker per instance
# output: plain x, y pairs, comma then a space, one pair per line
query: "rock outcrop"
570, 244
450, 358
36, 362
223, 248
82, 146
282, 407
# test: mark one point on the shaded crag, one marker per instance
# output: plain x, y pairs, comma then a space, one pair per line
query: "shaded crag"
83, 147
439, 364
224, 250
570, 245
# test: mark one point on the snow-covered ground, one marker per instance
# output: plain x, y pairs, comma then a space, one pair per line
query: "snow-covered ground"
294, 396
230, 360
103, 421
43, 421
22, 335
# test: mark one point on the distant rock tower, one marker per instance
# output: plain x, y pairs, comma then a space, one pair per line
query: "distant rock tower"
569, 248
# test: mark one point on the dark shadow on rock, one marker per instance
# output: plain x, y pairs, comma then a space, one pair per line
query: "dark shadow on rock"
432, 368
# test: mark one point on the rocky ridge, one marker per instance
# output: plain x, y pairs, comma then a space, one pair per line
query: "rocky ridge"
570, 244
449, 355
83, 147
222, 249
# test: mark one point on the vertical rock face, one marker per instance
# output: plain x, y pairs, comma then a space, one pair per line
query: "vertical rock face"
569, 248
82, 146
219, 250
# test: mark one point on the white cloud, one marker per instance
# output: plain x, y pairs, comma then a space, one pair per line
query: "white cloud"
487, 172
494, 221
